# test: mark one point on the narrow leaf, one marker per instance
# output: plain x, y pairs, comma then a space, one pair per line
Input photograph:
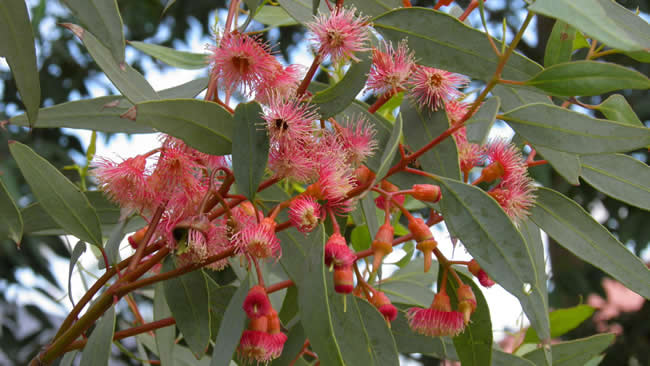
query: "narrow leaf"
575, 352
560, 44
250, 148
98, 348
587, 78
390, 149
512, 97
566, 164
561, 129
479, 125
17, 46
112, 246
187, 298
205, 126
562, 321
573, 228
164, 336
11, 221
219, 299
620, 176
172, 57
59, 197
616, 108
274, 16
369, 209
232, 326
77, 251
68, 358
410, 284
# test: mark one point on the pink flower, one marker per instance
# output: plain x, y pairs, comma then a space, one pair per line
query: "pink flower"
260, 241
335, 176
438, 320
504, 161
456, 110
289, 120
175, 171
277, 344
358, 140
291, 160
304, 213
282, 84
242, 61
340, 34
257, 346
469, 154
256, 303
337, 252
433, 87
125, 183
390, 68
515, 198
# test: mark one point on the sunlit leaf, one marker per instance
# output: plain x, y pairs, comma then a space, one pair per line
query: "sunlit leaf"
172, 57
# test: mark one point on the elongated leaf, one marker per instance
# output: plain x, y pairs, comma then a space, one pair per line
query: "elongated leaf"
219, 299
301, 10
250, 148
370, 214
102, 18
566, 164
188, 300
479, 125
616, 108
375, 7
390, 149
295, 340
68, 358
561, 129
491, 238
60, 198
205, 126
620, 176
125, 78
11, 221
336, 98
112, 246
442, 41
512, 97
410, 284
422, 127
575, 352
98, 348
587, 78
172, 57
274, 16
17, 46
604, 20
573, 228
562, 321
560, 44
103, 113
77, 251
164, 336
232, 326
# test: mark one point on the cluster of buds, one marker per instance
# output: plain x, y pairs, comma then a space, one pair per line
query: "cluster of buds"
263, 341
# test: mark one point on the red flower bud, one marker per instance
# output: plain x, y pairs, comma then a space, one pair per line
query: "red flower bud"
257, 303
343, 280
426, 192
385, 307
477, 271
466, 302
383, 244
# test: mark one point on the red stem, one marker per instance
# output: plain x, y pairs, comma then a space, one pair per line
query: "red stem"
147, 237
310, 74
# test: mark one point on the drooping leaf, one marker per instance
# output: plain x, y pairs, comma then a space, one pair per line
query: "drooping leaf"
17, 46
390, 149
125, 78
587, 78
77, 251
560, 44
250, 148
562, 321
336, 98
479, 125
103, 113
98, 348
166, 336
616, 108
573, 228
301, 10
203, 125
605, 20
11, 221
575, 352
60, 198
442, 41
274, 16
620, 176
422, 126
492, 239
188, 300
102, 18
231, 328
172, 57
564, 130
410, 284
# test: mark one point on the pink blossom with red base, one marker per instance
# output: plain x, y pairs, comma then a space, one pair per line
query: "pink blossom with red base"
358, 139
516, 198
291, 160
435, 323
391, 68
304, 213
340, 34
256, 303
257, 346
259, 240
282, 84
289, 120
125, 183
432, 87
337, 253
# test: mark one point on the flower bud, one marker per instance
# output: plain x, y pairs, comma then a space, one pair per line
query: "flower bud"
343, 280
424, 239
363, 175
257, 304
492, 172
137, 237
477, 271
426, 192
385, 307
382, 245
466, 301
337, 252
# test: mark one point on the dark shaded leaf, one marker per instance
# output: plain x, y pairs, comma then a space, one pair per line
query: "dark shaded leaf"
301, 10
390, 149
98, 349
166, 336
250, 148
11, 221
231, 328
77, 251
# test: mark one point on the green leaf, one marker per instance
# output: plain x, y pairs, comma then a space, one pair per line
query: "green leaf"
250, 148
77, 251
188, 300
641, 56
374, 7
295, 340
562, 321
336, 98
479, 125
580, 41
474, 345
125, 78
573, 228
616, 108
289, 308
11, 222
274, 16
172, 57
98, 348
560, 44
619, 176
360, 238
68, 358
60, 198
112, 246
604, 20
166, 336
293, 251
410, 284
103, 113
102, 18
566, 164
423, 126
389, 150
587, 78
369, 209
409, 248
513, 97
575, 352
219, 299
301, 10
561, 129
17, 46
231, 328
442, 41
203, 125
492, 239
